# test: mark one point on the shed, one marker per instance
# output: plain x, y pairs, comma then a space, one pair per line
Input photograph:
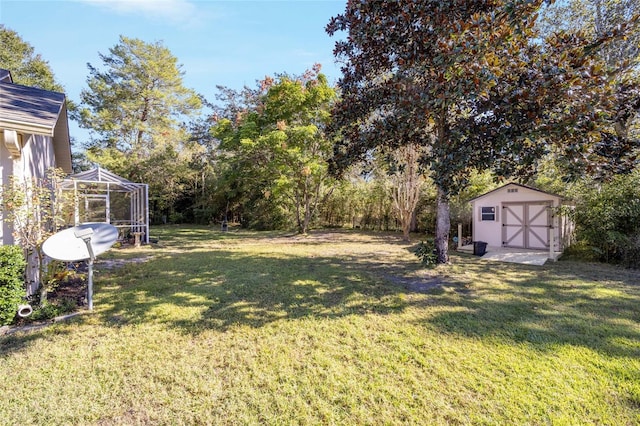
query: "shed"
519, 216
102, 196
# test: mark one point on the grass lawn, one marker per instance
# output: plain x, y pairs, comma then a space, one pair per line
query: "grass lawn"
336, 327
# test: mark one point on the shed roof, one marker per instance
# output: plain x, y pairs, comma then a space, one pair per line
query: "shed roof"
514, 184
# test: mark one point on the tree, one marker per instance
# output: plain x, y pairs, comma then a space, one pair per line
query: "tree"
198, 201
134, 110
605, 184
278, 133
36, 208
597, 18
346, 204
607, 218
245, 174
469, 81
403, 167
27, 67
618, 148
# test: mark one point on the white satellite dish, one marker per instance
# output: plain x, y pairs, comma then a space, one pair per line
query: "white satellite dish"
68, 247
82, 242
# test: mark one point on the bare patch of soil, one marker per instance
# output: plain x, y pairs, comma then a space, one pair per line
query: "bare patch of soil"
73, 288
417, 284
118, 263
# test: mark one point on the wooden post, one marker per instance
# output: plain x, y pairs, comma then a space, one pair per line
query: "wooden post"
459, 236
552, 243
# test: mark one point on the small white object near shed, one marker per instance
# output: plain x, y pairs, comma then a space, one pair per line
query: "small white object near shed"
522, 217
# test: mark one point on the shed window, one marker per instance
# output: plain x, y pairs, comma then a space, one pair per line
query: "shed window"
488, 213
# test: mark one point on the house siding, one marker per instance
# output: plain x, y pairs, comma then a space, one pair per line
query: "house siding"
37, 156
6, 163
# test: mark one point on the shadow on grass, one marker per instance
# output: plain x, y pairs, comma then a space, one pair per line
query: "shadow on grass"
592, 306
219, 289
196, 288
194, 236
182, 236
15, 342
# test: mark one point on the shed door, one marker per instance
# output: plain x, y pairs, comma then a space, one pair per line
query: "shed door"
526, 225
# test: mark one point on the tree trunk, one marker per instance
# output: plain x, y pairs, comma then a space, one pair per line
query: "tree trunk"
443, 225
304, 228
307, 207
413, 226
406, 228
42, 288
298, 214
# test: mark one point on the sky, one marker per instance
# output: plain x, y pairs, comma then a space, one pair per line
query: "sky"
228, 43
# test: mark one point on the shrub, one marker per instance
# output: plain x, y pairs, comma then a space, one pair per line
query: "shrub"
631, 252
176, 217
56, 273
49, 311
607, 219
203, 216
12, 264
426, 251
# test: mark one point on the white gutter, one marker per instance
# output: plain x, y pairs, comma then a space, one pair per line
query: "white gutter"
25, 127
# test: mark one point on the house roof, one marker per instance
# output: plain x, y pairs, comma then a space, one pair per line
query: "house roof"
36, 111
29, 109
514, 184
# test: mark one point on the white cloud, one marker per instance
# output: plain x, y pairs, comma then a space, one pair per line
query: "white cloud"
178, 12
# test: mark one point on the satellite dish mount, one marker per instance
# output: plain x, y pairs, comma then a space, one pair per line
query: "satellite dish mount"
85, 235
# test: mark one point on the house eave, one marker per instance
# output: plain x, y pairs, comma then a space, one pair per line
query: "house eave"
473, 200
26, 128
62, 142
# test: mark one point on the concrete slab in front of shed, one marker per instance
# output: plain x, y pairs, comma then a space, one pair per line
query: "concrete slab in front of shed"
514, 255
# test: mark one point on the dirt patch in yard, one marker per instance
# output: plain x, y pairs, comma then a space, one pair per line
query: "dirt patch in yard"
68, 297
72, 289
119, 263
418, 285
